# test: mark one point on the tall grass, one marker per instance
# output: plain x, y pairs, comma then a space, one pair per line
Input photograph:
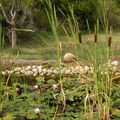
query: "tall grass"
99, 54
1, 36
53, 20
1, 83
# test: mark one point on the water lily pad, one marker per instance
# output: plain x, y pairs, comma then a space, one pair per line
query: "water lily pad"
40, 79
51, 81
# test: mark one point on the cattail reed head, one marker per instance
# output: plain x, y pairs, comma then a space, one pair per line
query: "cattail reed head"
95, 37
79, 37
95, 34
109, 41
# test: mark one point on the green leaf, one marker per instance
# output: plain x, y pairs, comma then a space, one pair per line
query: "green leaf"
40, 79
51, 81
8, 117
70, 98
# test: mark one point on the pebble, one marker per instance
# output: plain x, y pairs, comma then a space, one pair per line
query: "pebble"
35, 74
86, 68
42, 74
117, 73
22, 71
39, 67
34, 70
28, 68
34, 66
63, 70
11, 71
23, 68
49, 72
17, 73
69, 70
28, 73
115, 63
82, 71
17, 69
55, 72
44, 71
4, 73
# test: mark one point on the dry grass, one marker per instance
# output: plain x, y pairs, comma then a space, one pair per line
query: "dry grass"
46, 49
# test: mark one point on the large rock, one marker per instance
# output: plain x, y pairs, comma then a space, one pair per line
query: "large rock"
69, 57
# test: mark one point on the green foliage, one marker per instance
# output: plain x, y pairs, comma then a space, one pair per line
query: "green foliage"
115, 96
87, 9
48, 100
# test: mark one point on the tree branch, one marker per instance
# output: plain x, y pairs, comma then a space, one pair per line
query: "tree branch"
4, 14
12, 12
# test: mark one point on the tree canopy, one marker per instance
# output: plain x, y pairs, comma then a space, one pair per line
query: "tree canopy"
31, 13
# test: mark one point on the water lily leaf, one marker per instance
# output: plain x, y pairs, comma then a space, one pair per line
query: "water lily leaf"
51, 81
40, 79
31, 115
8, 117
70, 98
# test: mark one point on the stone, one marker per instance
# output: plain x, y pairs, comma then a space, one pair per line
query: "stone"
67, 72
82, 71
28, 68
17, 73
117, 73
55, 72
35, 74
17, 69
35, 70
39, 67
86, 68
115, 63
69, 57
39, 70
11, 71
34, 66
22, 71
44, 71
28, 73
4, 73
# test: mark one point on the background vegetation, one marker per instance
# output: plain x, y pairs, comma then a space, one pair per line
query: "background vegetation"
31, 14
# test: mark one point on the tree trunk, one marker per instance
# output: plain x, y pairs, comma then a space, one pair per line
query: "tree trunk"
13, 37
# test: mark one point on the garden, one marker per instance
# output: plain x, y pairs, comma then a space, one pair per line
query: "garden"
66, 70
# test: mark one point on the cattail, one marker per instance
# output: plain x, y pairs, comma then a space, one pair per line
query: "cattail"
109, 41
79, 37
95, 37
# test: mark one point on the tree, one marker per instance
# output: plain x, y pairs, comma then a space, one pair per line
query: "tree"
12, 19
